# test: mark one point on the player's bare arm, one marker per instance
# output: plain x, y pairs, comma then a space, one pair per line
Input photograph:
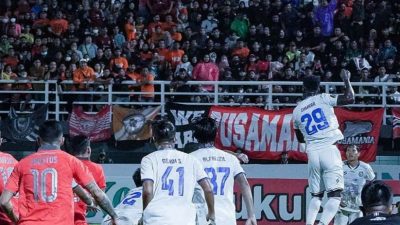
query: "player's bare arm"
299, 135
248, 199
240, 156
5, 202
209, 196
102, 200
85, 197
348, 97
147, 192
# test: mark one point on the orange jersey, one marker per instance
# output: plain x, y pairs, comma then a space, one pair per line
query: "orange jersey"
241, 52
130, 31
58, 26
83, 74
163, 53
80, 207
175, 57
176, 36
7, 163
147, 87
122, 61
45, 179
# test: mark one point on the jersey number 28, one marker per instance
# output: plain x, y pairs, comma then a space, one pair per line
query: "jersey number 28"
315, 121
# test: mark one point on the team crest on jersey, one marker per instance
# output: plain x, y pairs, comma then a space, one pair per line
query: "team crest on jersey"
361, 173
356, 133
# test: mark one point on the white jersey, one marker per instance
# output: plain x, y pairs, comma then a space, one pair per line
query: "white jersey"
354, 181
316, 119
175, 175
130, 209
221, 168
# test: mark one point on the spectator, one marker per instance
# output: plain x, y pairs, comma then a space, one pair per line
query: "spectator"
179, 84
186, 65
58, 25
387, 51
130, 30
210, 23
240, 25
323, 16
118, 61
88, 48
84, 76
377, 198
175, 55
147, 87
119, 38
206, 71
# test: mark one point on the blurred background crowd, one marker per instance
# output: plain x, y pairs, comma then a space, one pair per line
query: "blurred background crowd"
110, 41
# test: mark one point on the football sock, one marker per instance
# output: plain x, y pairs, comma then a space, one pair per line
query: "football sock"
330, 209
312, 210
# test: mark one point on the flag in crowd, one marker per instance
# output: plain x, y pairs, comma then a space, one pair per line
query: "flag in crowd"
396, 123
132, 124
95, 126
23, 127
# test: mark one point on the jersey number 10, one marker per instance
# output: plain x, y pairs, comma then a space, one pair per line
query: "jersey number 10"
40, 181
318, 117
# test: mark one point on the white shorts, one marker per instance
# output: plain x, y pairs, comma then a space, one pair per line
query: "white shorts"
325, 171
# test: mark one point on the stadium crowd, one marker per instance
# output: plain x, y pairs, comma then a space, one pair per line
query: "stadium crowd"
203, 40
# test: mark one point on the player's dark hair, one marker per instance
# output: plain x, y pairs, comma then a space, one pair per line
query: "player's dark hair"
79, 144
50, 131
137, 178
311, 83
205, 130
376, 193
163, 130
354, 147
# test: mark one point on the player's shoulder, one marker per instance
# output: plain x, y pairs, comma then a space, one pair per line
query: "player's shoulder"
7, 155
93, 165
364, 165
377, 219
199, 152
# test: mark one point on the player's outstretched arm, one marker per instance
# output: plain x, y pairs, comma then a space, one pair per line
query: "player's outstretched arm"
348, 97
248, 198
102, 200
209, 196
5, 202
147, 192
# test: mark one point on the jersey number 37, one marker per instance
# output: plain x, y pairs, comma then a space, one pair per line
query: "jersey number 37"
315, 121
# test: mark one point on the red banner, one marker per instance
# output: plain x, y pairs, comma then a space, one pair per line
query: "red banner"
95, 126
264, 134
362, 129
282, 201
396, 122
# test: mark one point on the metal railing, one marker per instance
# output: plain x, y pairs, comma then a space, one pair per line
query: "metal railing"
53, 95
